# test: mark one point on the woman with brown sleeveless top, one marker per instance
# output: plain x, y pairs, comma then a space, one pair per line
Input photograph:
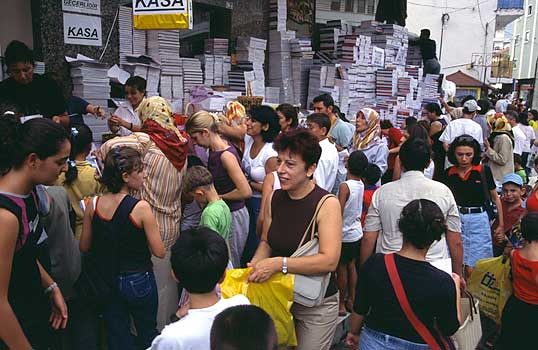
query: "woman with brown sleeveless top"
288, 213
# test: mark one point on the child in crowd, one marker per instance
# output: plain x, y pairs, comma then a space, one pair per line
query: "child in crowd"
191, 211
327, 167
243, 327
350, 195
80, 181
216, 215
370, 177
512, 187
518, 168
520, 315
122, 233
199, 259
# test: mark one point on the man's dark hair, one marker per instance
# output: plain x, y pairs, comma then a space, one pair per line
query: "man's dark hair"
415, 154
321, 119
301, 142
386, 124
410, 121
433, 108
529, 227
371, 174
290, 113
266, 116
137, 82
17, 51
243, 327
517, 159
357, 163
463, 140
422, 222
425, 33
199, 259
327, 100
484, 105
511, 115
511, 107
417, 131
523, 118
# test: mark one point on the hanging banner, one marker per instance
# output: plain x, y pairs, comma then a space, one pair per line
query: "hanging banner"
90, 7
82, 30
162, 14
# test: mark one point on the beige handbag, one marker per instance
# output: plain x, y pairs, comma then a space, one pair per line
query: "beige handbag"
310, 290
470, 332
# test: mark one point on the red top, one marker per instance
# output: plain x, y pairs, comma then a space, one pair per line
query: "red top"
525, 274
366, 201
532, 203
395, 136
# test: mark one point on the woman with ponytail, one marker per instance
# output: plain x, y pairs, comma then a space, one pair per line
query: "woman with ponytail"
433, 295
31, 154
80, 178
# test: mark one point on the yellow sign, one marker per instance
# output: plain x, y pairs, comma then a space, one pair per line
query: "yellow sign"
162, 14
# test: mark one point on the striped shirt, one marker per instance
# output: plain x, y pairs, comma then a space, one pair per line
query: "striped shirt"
162, 185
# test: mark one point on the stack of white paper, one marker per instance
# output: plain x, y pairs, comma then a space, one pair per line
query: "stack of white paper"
216, 46
278, 15
192, 73
125, 22
90, 80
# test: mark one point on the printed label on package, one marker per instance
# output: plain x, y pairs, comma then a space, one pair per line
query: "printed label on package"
155, 7
82, 30
91, 7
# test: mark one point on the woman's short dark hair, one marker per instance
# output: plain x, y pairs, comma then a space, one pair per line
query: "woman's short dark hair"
386, 124
467, 141
243, 327
302, 142
523, 118
17, 51
529, 227
266, 116
534, 113
17, 141
433, 108
290, 113
81, 141
422, 222
118, 161
417, 131
137, 82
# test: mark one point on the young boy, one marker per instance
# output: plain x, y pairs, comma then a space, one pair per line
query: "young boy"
350, 195
216, 215
199, 259
244, 327
325, 175
518, 168
511, 201
370, 177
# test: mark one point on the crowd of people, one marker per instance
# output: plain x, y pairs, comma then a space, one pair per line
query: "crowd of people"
126, 244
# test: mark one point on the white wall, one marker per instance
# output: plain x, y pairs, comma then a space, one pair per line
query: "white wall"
463, 33
15, 23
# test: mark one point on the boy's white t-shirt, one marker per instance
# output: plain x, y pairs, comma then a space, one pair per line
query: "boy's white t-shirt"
192, 332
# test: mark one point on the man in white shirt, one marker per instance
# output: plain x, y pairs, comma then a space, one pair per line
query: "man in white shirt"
325, 175
463, 126
381, 224
520, 139
199, 260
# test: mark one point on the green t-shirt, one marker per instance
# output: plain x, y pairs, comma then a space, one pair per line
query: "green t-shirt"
522, 174
217, 216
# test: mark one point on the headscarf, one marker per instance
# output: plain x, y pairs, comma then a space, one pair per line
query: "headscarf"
158, 122
499, 125
362, 140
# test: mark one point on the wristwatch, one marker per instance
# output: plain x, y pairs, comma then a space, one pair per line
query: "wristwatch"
284, 265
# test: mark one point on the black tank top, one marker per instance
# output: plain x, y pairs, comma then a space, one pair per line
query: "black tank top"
25, 292
133, 251
290, 219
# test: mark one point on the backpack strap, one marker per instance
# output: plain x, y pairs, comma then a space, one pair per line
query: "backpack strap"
124, 210
8, 204
419, 327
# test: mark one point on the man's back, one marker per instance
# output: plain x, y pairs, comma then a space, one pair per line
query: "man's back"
389, 200
325, 173
462, 126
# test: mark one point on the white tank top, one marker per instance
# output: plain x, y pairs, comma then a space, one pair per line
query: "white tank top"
352, 228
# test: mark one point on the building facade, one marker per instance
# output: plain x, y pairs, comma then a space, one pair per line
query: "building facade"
351, 11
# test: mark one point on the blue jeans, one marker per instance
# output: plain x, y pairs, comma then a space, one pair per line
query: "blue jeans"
476, 237
374, 340
253, 205
137, 297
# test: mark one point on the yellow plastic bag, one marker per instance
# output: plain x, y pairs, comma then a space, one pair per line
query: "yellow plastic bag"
162, 14
490, 283
275, 296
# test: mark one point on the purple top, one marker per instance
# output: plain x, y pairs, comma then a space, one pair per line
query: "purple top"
221, 179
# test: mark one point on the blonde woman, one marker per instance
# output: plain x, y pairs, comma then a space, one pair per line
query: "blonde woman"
224, 163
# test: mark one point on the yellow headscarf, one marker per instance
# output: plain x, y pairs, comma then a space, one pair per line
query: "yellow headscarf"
157, 109
362, 140
498, 123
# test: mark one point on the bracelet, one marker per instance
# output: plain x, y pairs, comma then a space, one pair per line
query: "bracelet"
131, 128
51, 288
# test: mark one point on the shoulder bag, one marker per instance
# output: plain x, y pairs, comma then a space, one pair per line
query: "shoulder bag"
420, 328
310, 290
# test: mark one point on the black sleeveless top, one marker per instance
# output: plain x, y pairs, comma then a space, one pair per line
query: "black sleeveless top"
133, 251
290, 219
25, 294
